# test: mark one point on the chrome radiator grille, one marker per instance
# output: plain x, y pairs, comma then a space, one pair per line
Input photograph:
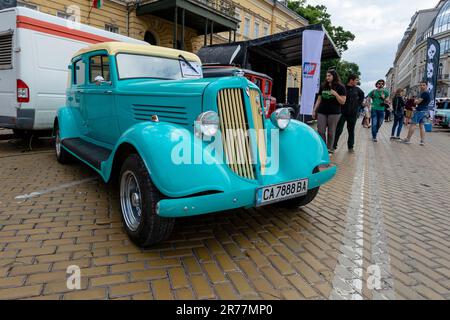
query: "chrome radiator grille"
258, 124
234, 127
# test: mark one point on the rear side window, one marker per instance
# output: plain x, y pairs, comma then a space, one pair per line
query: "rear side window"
6, 44
80, 73
99, 66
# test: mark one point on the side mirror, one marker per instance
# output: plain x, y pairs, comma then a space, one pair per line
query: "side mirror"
99, 80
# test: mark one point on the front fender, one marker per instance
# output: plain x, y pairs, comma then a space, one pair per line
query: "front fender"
301, 150
175, 174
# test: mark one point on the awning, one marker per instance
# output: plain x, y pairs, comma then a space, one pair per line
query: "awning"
284, 48
197, 12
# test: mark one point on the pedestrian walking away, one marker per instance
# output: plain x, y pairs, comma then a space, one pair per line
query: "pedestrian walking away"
398, 103
379, 100
420, 115
327, 109
350, 110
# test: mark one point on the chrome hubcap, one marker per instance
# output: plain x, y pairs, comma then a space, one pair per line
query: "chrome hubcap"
58, 143
130, 200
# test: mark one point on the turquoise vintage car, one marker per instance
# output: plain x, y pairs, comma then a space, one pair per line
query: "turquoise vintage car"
442, 115
178, 144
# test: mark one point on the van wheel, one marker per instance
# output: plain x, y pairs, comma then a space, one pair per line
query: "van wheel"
138, 201
62, 155
22, 134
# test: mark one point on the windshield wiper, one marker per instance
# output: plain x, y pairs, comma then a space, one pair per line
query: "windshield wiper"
188, 63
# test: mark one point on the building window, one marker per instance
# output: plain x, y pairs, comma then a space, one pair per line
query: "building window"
111, 28
443, 19
266, 29
247, 27
27, 5
256, 30
62, 14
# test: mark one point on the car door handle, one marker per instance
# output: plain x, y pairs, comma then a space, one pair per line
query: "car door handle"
107, 91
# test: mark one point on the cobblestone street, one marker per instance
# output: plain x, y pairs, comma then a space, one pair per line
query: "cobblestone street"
379, 230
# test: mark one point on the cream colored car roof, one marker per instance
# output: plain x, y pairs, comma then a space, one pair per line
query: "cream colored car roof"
114, 48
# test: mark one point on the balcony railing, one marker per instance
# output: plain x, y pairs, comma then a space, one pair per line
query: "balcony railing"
224, 6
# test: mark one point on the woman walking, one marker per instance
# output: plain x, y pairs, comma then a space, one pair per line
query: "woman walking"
327, 110
398, 103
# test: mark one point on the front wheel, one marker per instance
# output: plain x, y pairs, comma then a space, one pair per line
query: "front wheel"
301, 201
138, 201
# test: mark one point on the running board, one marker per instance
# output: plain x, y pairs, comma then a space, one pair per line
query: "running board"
89, 152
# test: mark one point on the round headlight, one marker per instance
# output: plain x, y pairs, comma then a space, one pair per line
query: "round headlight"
207, 123
281, 118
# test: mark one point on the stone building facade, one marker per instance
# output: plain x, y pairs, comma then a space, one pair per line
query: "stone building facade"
409, 64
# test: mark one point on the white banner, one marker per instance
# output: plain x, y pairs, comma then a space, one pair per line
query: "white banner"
312, 53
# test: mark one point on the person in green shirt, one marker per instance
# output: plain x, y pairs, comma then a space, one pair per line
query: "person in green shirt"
379, 99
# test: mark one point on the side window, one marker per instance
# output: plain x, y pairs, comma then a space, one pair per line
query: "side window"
267, 87
79, 73
99, 66
257, 82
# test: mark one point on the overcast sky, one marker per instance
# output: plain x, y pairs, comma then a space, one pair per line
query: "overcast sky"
378, 26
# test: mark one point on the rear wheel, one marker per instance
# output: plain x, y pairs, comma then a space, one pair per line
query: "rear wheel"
62, 155
138, 201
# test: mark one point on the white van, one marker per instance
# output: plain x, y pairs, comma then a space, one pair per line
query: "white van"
35, 51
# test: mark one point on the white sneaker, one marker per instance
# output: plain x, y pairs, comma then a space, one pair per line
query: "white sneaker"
405, 141
422, 143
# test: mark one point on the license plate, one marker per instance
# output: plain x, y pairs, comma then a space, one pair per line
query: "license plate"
281, 192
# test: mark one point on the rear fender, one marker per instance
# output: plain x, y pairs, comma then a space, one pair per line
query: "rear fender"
67, 120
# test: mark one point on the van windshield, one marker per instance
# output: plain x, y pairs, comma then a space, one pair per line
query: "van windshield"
132, 66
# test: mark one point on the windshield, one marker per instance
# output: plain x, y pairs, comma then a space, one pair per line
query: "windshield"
132, 66
443, 105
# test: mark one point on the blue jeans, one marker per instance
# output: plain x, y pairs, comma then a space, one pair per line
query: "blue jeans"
398, 124
377, 121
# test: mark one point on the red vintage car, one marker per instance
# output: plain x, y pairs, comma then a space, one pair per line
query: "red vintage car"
264, 82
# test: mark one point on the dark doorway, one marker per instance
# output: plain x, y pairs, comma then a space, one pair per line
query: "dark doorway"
150, 38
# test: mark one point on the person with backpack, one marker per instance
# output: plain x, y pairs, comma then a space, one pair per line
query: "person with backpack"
379, 100
355, 98
398, 104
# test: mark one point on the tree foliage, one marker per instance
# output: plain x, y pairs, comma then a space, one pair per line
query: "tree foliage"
319, 15
343, 68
